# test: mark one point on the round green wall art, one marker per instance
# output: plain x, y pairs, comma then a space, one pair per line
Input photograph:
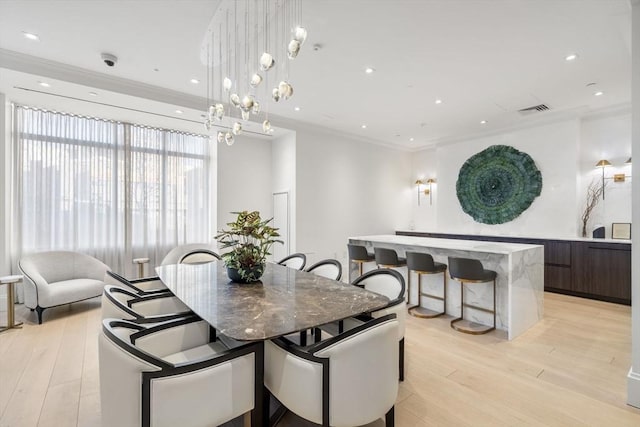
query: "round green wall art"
498, 184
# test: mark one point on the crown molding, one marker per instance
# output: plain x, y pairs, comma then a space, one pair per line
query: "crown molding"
299, 125
583, 113
59, 71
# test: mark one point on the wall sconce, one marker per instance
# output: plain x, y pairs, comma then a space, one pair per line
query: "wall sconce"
418, 184
426, 191
603, 164
620, 177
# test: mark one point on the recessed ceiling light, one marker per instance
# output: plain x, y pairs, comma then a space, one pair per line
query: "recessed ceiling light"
571, 57
483, 122
156, 69
93, 94
194, 81
411, 139
31, 36
363, 126
438, 101
44, 84
296, 108
179, 111
369, 70
598, 93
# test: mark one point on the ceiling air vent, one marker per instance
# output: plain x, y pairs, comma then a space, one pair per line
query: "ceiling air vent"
534, 109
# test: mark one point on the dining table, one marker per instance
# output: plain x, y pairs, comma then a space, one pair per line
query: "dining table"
283, 302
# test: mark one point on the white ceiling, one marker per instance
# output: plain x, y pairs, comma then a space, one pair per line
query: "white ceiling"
484, 58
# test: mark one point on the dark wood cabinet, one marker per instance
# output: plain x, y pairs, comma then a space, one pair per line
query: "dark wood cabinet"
584, 268
603, 269
557, 277
557, 253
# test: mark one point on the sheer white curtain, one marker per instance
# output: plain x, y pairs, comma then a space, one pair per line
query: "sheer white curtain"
113, 190
168, 191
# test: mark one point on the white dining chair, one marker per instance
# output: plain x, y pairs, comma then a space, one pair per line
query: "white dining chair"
121, 303
348, 380
143, 286
389, 283
175, 374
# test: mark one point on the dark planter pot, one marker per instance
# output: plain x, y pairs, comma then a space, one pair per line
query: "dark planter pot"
251, 275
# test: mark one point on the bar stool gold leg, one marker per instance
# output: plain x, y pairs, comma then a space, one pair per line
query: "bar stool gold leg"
425, 313
494, 304
444, 292
463, 305
408, 299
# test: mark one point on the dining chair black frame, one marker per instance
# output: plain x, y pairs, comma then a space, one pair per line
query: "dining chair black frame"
135, 317
167, 369
143, 286
324, 262
394, 302
307, 353
302, 256
209, 252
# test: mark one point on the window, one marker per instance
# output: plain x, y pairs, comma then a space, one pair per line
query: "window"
113, 190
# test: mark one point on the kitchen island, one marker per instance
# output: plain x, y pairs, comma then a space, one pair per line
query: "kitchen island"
519, 286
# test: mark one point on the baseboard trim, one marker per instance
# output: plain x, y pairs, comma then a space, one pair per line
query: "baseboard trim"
633, 388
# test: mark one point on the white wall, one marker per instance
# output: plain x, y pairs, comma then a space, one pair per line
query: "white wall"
566, 154
346, 188
283, 168
553, 147
5, 144
633, 380
244, 178
424, 165
5, 263
606, 137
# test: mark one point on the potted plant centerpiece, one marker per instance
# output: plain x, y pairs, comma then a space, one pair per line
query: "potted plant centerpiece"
250, 239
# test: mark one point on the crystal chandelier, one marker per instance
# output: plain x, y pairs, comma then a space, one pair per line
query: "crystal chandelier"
247, 50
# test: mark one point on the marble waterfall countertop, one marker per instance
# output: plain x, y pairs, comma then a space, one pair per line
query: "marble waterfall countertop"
540, 237
519, 283
455, 244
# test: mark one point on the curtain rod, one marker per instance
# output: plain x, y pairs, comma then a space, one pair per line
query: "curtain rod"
128, 109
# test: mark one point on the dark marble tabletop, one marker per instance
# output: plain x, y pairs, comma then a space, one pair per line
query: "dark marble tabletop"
284, 301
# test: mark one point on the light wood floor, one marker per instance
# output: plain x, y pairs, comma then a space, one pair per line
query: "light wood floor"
568, 370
